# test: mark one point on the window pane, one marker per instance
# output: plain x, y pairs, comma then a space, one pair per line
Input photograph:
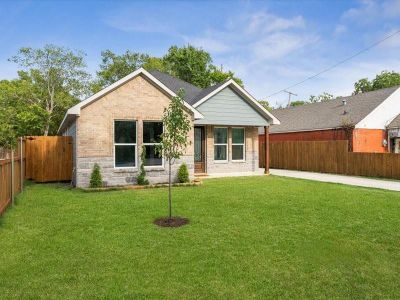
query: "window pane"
220, 152
237, 152
152, 132
220, 135
238, 135
152, 159
125, 132
125, 156
198, 147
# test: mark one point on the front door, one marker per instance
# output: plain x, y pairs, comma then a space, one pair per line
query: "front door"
199, 150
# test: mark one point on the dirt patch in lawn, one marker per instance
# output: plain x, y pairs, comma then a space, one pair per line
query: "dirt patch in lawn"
171, 222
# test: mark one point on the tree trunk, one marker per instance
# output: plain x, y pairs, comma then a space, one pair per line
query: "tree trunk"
169, 190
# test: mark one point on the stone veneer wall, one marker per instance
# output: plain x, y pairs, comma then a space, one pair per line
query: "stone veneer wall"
251, 154
137, 100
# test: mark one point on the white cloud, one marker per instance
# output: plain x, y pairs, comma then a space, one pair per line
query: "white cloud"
263, 22
278, 45
340, 29
370, 11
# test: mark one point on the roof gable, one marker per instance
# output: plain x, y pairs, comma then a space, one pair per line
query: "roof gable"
230, 109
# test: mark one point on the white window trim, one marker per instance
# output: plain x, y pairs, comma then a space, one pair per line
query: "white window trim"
239, 144
126, 144
162, 166
219, 144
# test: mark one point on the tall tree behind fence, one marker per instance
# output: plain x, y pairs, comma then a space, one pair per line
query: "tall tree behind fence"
331, 157
12, 166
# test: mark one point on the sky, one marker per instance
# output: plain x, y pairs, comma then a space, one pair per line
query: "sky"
269, 44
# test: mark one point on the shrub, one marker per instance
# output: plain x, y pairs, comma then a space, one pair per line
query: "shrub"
141, 179
183, 173
96, 180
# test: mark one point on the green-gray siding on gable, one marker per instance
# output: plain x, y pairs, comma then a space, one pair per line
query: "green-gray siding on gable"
228, 108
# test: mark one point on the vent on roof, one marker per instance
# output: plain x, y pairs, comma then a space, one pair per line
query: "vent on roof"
344, 102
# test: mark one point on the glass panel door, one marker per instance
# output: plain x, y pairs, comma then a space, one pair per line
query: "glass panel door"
198, 144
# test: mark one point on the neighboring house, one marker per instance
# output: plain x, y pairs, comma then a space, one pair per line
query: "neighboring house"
365, 120
110, 127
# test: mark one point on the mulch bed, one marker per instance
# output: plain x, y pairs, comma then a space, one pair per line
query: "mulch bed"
171, 222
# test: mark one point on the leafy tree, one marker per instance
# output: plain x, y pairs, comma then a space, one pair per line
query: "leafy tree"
114, 67
362, 86
96, 180
58, 79
265, 104
19, 114
218, 75
297, 103
190, 64
174, 139
155, 63
141, 179
321, 98
383, 80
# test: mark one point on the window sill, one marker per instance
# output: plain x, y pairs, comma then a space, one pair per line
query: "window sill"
238, 161
220, 161
154, 168
125, 170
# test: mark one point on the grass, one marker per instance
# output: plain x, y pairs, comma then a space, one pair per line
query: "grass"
253, 237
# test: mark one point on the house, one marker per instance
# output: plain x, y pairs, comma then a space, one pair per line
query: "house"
368, 121
110, 127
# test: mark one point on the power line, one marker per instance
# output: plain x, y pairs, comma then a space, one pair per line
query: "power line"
338, 63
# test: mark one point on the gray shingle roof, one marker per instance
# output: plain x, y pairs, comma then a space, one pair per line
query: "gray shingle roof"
174, 84
395, 123
330, 114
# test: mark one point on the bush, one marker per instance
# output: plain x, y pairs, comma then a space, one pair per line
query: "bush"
183, 173
96, 180
141, 179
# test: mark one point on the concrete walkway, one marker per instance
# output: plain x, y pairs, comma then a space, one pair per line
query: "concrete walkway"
350, 180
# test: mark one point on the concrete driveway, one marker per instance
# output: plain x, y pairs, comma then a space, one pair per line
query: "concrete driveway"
350, 180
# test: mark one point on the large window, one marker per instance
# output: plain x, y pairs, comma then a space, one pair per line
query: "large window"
151, 138
238, 146
125, 144
221, 144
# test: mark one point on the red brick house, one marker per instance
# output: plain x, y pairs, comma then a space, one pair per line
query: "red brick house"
369, 121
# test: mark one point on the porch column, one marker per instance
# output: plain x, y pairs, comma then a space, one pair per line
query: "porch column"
266, 149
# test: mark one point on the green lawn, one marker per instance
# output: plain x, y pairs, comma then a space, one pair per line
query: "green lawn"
252, 237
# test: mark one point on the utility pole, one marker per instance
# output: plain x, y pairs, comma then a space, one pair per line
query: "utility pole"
289, 94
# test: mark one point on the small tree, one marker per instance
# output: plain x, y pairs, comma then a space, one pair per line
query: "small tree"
141, 179
183, 173
174, 139
96, 180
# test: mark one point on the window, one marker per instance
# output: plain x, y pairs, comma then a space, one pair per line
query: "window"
238, 147
151, 138
125, 144
220, 144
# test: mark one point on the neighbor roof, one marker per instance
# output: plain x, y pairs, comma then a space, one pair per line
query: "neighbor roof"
395, 123
329, 114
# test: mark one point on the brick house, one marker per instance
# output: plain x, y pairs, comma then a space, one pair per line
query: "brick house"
368, 121
110, 127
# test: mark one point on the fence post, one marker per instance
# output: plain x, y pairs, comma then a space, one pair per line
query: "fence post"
21, 164
12, 176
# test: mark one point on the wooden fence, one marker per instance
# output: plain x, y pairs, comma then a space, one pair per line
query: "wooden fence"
331, 157
11, 174
49, 158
